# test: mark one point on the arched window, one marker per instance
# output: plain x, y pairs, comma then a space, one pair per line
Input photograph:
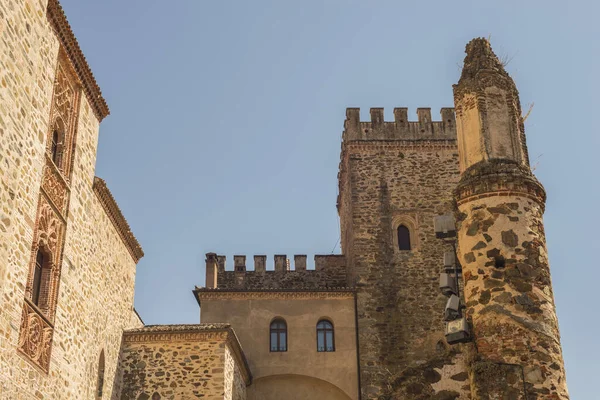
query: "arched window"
278, 335
403, 238
37, 278
100, 384
55, 148
325, 336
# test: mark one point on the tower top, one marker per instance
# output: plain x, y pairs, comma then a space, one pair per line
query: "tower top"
480, 56
488, 111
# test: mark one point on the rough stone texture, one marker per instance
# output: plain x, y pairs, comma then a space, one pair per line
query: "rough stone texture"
502, 246
511, 304
182, 362
329, 272
394, 173
97, 273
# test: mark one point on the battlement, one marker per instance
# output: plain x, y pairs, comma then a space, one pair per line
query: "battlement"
329, 271
401, 128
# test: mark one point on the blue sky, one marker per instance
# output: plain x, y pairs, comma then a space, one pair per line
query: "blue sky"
227, 116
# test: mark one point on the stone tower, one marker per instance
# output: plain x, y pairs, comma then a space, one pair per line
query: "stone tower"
394, 178
502, 247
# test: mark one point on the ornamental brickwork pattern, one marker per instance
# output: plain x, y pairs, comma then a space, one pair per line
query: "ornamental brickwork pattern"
37, 325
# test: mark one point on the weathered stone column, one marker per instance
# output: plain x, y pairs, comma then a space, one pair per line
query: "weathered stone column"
502, 247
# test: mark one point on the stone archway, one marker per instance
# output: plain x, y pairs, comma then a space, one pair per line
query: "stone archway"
294, 387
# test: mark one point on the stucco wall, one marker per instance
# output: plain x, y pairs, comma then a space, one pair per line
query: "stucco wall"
95, 296
251, 317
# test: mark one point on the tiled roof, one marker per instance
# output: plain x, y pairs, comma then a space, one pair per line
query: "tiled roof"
59, 22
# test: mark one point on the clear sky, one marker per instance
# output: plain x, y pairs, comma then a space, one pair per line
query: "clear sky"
227, 117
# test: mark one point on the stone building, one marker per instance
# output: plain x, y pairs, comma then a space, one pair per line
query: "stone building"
364, 324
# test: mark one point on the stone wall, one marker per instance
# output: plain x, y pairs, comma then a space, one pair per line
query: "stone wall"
329, 272
301, 370
183, 362
392, 175
509, 296
97, 270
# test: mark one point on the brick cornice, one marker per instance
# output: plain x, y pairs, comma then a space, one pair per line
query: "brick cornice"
278, 294
192, 333
116, 216
61, 26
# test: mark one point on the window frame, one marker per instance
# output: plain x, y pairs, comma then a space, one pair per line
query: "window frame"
410, 221
278, 330
323, 331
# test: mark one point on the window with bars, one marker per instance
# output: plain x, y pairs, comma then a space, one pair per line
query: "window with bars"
278, 333
55, 148
37, 278
325, 336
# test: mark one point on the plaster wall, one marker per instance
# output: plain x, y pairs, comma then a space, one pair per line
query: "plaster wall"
251, 318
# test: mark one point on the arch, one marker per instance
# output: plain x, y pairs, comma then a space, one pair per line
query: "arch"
100, 381
325, 336
403, 237
294, 387
42, 277
404, 232
57, 142
278, 338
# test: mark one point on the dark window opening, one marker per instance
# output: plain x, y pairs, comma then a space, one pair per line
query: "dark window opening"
100, 384
403, 238
54, 149
325, 336
278, 335
37, 278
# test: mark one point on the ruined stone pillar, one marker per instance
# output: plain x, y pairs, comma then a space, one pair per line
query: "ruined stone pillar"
502, 247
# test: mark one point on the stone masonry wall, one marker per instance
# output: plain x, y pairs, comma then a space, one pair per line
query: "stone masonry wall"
95, 295
509, 294
182, 362
392, 175
329, 272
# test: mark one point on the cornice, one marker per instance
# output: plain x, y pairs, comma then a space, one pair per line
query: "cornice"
498, 177
408, 143
270, 294
192, 333
61, 26
116, 216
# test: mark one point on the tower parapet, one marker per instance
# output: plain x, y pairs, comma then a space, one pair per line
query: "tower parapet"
401, 128
329, 272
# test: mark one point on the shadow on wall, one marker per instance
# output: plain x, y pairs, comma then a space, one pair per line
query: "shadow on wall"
293, 387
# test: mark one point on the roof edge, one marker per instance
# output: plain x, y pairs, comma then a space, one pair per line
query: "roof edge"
116, 216
60, 24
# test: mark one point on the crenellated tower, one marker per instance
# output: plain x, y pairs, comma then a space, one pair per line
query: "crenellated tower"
502, 246
394, 178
